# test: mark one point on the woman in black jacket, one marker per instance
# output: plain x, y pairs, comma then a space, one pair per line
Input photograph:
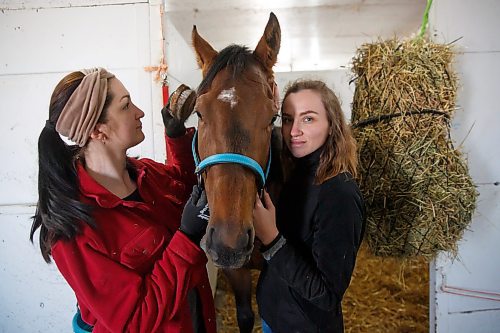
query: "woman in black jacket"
312, 237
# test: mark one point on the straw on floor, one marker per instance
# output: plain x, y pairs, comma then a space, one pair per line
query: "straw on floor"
386, 295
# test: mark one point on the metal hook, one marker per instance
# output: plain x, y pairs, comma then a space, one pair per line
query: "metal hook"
164, 79
200, 181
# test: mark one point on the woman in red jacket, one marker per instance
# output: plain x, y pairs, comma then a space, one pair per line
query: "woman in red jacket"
116, 226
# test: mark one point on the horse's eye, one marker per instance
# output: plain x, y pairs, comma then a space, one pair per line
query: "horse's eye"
198, 114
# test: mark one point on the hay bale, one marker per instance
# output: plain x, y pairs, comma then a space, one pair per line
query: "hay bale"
419, 195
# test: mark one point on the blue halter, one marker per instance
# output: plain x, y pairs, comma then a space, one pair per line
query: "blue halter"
229, 158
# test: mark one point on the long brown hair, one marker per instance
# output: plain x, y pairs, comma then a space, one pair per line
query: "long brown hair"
339, 150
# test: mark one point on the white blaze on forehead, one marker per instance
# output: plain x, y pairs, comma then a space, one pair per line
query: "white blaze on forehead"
228, 96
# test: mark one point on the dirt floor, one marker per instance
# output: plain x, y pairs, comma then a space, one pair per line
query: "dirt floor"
386, 295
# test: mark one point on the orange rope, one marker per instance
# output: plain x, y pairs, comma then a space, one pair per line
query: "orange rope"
160, 70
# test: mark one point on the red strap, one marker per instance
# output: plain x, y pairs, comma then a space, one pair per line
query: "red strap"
164, 90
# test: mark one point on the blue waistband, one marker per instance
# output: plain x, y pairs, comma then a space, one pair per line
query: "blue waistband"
79, 326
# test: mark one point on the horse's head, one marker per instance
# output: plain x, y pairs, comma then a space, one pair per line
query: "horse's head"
236, 106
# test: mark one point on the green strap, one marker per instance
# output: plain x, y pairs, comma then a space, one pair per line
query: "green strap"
425, 19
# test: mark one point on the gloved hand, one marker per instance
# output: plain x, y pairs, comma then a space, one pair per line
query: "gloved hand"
195, 216
179, 107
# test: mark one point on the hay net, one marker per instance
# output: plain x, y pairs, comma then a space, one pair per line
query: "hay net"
416, 185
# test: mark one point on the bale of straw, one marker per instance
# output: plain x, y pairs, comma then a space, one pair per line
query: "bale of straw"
416, 185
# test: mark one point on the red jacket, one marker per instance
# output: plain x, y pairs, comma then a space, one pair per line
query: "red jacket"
133, 271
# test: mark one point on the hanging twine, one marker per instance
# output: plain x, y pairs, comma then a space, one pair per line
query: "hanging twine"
162, 68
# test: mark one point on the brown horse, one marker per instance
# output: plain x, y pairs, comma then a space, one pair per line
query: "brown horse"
236, 106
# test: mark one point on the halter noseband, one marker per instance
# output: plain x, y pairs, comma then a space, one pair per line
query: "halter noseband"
225, 158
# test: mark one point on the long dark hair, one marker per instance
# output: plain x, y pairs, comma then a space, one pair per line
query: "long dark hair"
339, 152
59, 212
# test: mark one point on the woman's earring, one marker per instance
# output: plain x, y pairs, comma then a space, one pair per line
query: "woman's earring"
103, 141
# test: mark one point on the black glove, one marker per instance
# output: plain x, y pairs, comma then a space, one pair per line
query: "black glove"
179, 107
195, 216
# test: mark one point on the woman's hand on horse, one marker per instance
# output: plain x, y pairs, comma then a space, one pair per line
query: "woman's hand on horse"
195, 216
264, 219
179, 107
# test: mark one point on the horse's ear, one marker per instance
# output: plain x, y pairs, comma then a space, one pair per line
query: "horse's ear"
204, 52
269, 44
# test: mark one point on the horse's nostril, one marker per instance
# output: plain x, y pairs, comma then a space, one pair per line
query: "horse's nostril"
250, 233
210, 235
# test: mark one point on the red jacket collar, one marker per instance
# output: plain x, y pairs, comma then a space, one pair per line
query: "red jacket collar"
94, 191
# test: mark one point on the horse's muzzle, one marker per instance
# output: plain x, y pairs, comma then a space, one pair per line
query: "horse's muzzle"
227, 255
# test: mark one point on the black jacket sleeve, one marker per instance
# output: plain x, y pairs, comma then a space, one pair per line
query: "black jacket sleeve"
323, 276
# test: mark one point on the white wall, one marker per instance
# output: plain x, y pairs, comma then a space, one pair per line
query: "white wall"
476, 270
41, 42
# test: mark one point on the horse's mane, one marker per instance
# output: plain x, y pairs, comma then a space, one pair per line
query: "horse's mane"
235, 57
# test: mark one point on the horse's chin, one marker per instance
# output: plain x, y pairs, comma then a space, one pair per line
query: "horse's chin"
231, 265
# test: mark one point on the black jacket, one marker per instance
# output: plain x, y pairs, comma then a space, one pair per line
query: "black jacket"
301, 287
